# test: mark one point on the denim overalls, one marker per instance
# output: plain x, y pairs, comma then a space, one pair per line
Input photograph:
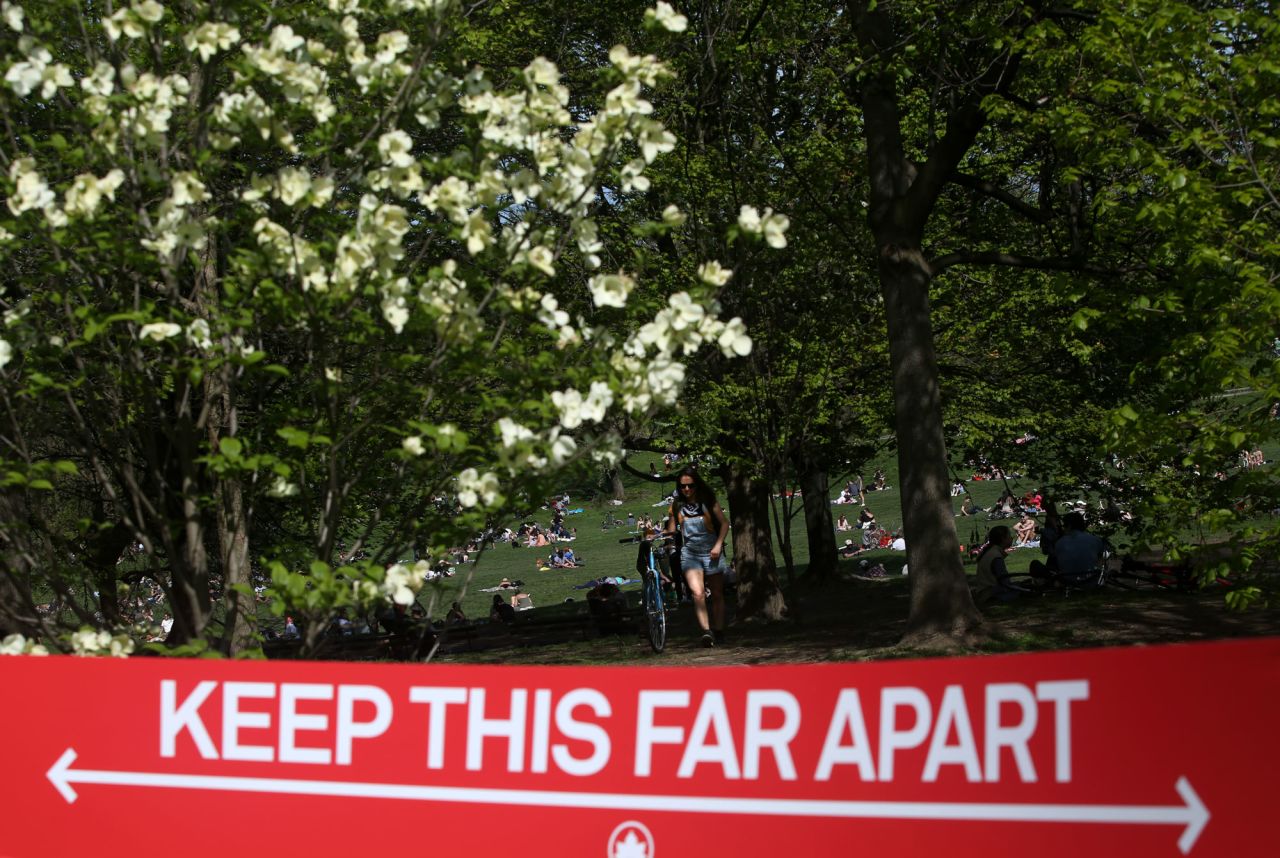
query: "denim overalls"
698, 542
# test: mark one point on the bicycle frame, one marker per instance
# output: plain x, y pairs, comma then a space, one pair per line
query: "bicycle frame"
655, 612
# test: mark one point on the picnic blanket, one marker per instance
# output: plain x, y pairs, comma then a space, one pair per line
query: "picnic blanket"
596, 582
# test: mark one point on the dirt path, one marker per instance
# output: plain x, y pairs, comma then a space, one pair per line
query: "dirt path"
857, 621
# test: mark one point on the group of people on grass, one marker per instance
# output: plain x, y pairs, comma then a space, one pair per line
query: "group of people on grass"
1073, 557
561, 558
1008, 505
855, 490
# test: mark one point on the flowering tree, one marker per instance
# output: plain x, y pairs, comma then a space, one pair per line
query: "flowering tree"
279, 279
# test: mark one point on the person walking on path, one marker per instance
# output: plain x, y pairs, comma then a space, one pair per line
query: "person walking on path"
703, 526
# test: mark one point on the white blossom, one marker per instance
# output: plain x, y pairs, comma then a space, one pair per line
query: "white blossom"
512, 432
474, 488
598, 400
198, 334
672, 216
775, 228
550, 313
569, 403
6, 353
713, 273
541, 258
87, 191
101, 81
477, 233
209, 38
413, 445
667, 17
398, 584
17, 644
282, 488
149, 11
562, 449
187, 189
395, 148
733, 340
31, 191
90, 642
294, 184
159, 331
610, 290
38, 69
12, 14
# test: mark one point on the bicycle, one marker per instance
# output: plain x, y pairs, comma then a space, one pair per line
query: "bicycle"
655, 611
610, 521
1156, 576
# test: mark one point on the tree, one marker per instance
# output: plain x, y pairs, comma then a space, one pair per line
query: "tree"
289, 278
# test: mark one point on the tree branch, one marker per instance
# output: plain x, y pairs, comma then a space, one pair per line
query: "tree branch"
996, 192
1014, 260
962, 130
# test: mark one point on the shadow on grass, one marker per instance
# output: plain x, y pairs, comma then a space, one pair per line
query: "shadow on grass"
845, 618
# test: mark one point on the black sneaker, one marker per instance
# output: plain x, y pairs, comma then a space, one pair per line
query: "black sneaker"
718, 635
708, 640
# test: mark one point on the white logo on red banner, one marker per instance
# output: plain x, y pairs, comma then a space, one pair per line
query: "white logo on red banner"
631, 839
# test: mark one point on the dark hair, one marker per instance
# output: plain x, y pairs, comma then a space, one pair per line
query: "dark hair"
703, 492
995, 538
1074, 521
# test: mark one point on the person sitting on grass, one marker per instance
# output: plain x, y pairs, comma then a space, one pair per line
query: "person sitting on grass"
842, 523
866, 518
993, 581
849, 549
1078, 552
571, 560
968, 507
501, 612
1025, 529
455, 615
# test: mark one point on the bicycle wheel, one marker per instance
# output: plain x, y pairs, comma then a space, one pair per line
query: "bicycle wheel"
655, 616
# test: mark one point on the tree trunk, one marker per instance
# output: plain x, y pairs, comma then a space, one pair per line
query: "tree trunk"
782, 530
941, 603
823, 556
616, 488
902, 197
240, 614
759, 593
16, 614
233, 538
102, 551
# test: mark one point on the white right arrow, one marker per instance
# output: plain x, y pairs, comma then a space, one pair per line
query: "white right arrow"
1192, 813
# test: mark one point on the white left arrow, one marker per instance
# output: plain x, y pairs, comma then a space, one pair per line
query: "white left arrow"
1191, 815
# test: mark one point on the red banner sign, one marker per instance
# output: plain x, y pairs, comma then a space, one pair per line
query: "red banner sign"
1146, 751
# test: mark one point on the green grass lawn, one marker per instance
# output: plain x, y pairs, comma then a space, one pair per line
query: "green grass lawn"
604, 555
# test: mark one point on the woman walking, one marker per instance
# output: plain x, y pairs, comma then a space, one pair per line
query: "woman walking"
703, 527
